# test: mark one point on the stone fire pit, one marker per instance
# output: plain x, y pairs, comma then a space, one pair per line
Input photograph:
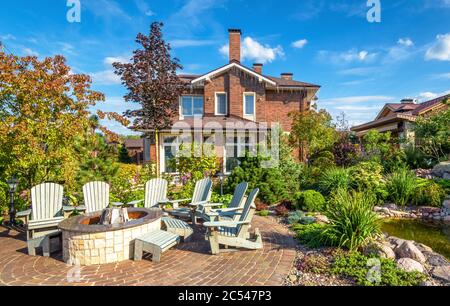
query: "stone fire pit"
88, 242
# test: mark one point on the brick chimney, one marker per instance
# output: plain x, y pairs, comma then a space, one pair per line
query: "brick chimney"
257, 68
287, 76
235, 45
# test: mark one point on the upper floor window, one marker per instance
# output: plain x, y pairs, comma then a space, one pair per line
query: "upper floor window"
191, 106
249, 104
221, 103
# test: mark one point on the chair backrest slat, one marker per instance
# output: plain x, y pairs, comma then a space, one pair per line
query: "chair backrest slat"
238, 196
155, 191
248, 212
96, 196
202, 191
46, 201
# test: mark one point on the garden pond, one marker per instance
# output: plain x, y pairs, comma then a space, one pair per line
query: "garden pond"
433, 234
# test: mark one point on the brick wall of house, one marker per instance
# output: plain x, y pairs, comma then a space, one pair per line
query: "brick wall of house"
279, 104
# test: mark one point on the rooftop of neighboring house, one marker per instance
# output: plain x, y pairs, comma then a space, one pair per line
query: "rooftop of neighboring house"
134, 143
406, 110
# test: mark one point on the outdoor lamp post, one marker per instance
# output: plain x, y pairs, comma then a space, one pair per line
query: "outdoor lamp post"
12, 183
221, 177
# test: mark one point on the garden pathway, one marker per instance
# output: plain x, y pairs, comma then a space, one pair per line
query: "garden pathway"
188, 264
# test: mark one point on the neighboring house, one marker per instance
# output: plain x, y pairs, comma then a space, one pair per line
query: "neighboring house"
231, 97
399, 118
135, 149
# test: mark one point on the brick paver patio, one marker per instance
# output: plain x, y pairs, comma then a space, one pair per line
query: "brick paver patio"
188, 264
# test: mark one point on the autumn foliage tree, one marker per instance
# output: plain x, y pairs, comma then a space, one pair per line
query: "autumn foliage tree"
44, 113
151, 80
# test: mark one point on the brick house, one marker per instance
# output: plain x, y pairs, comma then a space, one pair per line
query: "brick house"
235, 98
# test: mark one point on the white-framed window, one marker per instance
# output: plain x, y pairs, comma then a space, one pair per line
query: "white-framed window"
249, 104
221, 107
191, 105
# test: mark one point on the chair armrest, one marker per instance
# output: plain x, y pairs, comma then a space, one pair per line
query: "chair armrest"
212, 204
117, 204
70, 208
174, 201
198, 203
225, 210
25, 213
134, 203
224, 223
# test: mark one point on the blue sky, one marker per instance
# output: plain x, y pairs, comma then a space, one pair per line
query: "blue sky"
360, 65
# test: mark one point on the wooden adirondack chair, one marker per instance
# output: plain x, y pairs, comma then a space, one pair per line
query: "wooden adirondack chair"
229, 213
202, 195
96, 196
155, 193
44, 216
235, 233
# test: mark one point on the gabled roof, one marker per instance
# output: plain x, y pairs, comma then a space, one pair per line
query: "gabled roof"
222, 69
423, 107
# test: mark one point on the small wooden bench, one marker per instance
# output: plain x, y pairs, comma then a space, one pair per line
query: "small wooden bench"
177, 227
155, 243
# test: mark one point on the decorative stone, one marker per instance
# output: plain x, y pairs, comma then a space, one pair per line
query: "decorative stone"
442, 273
409, 265
424, 248
436, 260
409, 250
442, 169
322, 219
379, 249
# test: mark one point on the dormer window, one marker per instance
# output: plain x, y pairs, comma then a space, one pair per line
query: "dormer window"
221, 104
191, 106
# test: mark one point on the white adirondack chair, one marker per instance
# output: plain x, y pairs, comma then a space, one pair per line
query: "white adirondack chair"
202, 195
235, 233
96, 196
155, 193
229, 213
44, 216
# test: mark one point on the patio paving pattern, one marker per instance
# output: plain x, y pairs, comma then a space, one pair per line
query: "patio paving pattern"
188, 264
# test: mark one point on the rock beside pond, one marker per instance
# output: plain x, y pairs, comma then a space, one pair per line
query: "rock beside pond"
409, 250
442, 273
410, 265
424, 248
436, 260
442, 170
379, 249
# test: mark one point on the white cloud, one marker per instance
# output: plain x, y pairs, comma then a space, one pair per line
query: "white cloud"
144, 8
440, 50
181, 43
426, 96
299, 44
356, 108
405, 42
443, 75
349, 56
359, 71
255, 51
8, 37
106, 77
114, 59
29, 52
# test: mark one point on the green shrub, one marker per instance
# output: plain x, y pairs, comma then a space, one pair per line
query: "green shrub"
416, 159
334, 178
225, 199
352, 219
263, 213
357, 266
401, 186
295, 216
312, 235
428, 193
445, 184
270, 181
368, 177
310, 200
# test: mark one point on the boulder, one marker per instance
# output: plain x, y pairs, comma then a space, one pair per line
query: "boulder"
409, 250
442, 273
436, 260
379, 249
424, 248
396, 241
409, 265
442, 169
322, 219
